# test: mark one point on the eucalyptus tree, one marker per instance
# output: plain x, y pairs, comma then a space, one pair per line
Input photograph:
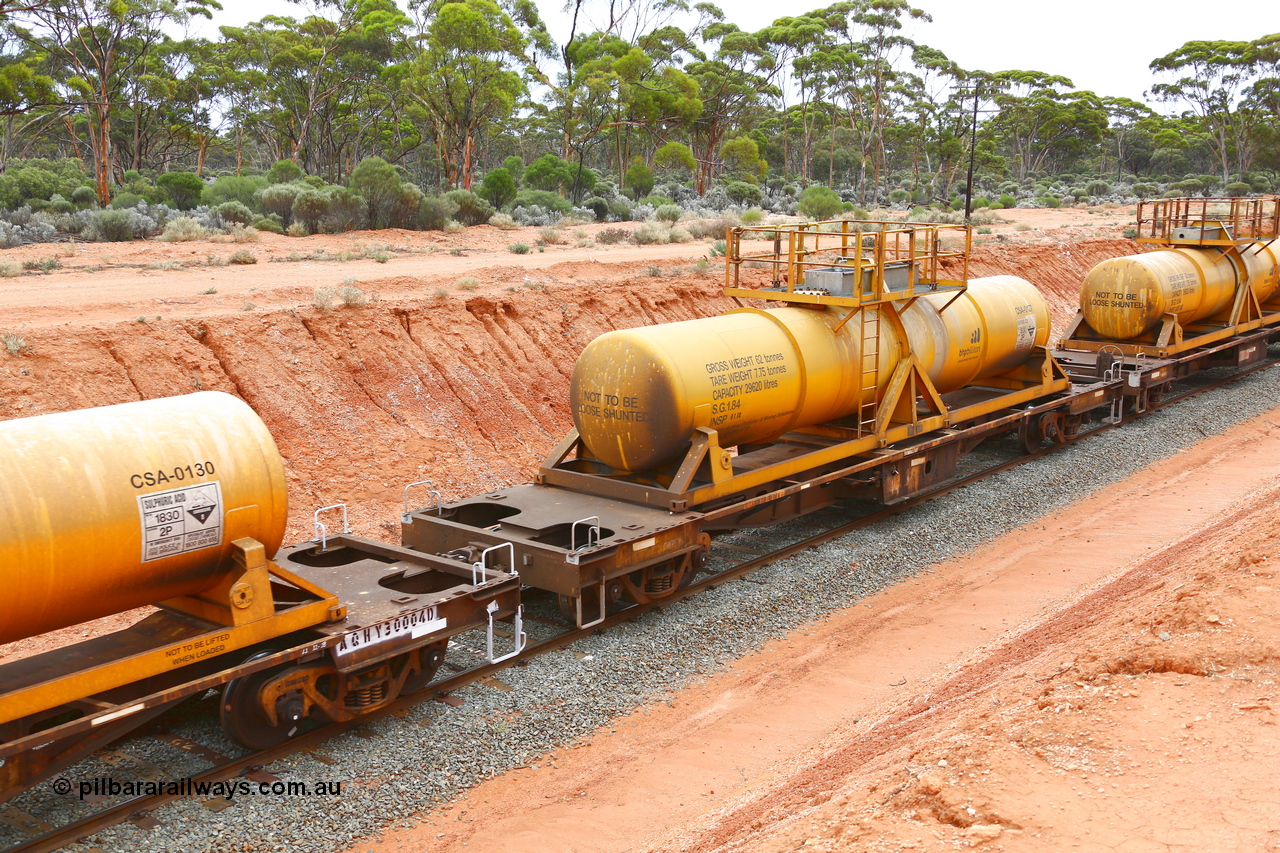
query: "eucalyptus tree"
1263, 95
100, 45
28, 97
1125, 119
936, 126
307, 67
793, 41
1042, 123
869, 34
1212, 78
735, 78
467, 79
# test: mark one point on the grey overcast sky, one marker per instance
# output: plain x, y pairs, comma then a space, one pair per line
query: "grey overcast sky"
1101, 45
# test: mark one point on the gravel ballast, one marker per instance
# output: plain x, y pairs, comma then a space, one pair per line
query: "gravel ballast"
400, 766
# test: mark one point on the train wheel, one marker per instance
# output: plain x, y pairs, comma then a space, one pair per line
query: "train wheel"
1029, 434
243, 717
429, 660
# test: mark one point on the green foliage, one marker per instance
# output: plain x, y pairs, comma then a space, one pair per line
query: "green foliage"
184, 188
742, 158
753, 216
1238, 188
1049, 201
639, 177
268, 223
284, 172
310, 207
741, 192
84, 196
899, 196
434, 212
980, 202
234, 211
620, 210
515, 168
126, 200
542, 198
1144, 190
234, 188
498, 188
668, 213
1130, 233
346, 209
676, 157
518, 249
277, 200
819, 202
549, 173
112, 226
471, 208
29, 180
465, 76
599, 207
389, 201
1098, 188
1008, 202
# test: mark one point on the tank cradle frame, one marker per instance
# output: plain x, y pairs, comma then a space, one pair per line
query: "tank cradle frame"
1229, 225
891, 266
239, 613
653, 532
279, 625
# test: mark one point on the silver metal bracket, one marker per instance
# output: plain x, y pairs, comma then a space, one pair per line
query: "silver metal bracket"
431, 493
321, 531
517, 624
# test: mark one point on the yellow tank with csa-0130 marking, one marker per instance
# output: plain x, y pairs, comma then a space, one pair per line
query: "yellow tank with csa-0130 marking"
107, 509
1122, 298
752, 375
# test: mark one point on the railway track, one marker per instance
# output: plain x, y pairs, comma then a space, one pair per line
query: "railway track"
139, 810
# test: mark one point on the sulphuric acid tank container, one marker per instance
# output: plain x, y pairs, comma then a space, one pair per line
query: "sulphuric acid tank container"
638, 394
107, 509
1122, 298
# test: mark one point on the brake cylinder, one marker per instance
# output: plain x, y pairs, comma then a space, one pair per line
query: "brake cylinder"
638, 394
107, 509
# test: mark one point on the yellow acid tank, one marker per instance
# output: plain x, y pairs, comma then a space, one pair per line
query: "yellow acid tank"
638, 394
1122, 298
103, 510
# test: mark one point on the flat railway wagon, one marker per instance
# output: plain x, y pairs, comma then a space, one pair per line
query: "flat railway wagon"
869, 375
180, 502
